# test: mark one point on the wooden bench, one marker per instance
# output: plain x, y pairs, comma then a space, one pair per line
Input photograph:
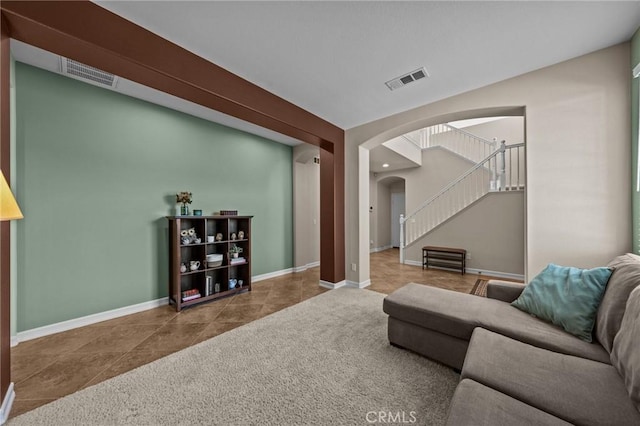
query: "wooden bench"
444, 257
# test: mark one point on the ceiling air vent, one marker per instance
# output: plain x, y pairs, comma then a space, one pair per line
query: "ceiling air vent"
86, 73
407, 78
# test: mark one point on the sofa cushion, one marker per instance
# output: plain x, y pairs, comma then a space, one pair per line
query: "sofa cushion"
625, 355
574, 389
566, 296
625, 278
457, 314
474, 404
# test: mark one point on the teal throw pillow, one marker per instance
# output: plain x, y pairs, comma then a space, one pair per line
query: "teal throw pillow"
567, 297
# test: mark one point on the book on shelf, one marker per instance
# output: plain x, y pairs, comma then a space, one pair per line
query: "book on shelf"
195, 296
191, 294
237, 260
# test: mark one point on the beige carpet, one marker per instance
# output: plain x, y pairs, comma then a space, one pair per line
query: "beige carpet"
325, 361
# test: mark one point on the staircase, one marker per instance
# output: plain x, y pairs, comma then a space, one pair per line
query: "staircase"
500, 170
458, 141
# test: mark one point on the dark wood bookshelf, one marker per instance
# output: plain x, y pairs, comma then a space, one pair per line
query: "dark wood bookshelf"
181, 253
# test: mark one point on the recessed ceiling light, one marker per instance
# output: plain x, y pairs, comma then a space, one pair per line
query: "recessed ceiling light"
385, 165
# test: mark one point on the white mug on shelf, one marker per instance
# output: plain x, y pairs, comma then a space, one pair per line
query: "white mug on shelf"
210, 238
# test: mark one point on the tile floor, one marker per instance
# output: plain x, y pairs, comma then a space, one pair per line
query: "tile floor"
51, 367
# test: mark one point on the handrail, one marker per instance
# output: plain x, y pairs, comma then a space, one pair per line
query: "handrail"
487, 141
455, 181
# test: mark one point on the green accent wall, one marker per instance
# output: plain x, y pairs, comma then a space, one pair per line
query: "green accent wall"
97, 173
635, 197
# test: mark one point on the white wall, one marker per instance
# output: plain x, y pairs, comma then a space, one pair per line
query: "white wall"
510, 129
578, 143
306, 206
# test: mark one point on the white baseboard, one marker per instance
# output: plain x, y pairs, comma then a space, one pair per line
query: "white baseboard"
5, 408
269, 275
497, 274
383, 248
46, 330
303, 268
332, 286
354, 284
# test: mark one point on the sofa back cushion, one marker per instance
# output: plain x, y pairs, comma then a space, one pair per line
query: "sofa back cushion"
625, 278
625, 355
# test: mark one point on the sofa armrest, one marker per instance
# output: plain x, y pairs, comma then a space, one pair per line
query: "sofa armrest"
506, 291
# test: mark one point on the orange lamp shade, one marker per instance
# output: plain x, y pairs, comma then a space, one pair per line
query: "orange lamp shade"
8, 207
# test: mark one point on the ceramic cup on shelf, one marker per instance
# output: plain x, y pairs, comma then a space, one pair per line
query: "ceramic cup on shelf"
194, 265
210, 238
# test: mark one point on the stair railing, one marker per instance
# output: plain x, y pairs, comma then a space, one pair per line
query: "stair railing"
498, 171
468, 145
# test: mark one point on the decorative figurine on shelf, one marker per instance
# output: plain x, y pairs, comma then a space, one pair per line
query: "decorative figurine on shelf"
193, 237
183, 268
219, 236
184, 197
194, 265
233, 236
241, 235
189, 236
232, 283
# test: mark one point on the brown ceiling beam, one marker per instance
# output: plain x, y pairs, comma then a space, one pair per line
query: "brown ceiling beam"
97, 37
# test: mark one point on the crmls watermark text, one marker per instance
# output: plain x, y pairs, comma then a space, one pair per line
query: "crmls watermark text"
391, 417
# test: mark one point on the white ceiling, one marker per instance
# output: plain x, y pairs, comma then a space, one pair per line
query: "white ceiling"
382, 155
333, 58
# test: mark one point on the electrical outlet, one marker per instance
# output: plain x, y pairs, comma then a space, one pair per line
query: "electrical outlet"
353, 267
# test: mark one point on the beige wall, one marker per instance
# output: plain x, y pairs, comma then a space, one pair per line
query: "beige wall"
578, 145
373, 212
306, 206
383, 206
491, 230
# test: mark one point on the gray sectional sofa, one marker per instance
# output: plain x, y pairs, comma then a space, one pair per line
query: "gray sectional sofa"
519, 370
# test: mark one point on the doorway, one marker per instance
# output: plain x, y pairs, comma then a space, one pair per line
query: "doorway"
397, 209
